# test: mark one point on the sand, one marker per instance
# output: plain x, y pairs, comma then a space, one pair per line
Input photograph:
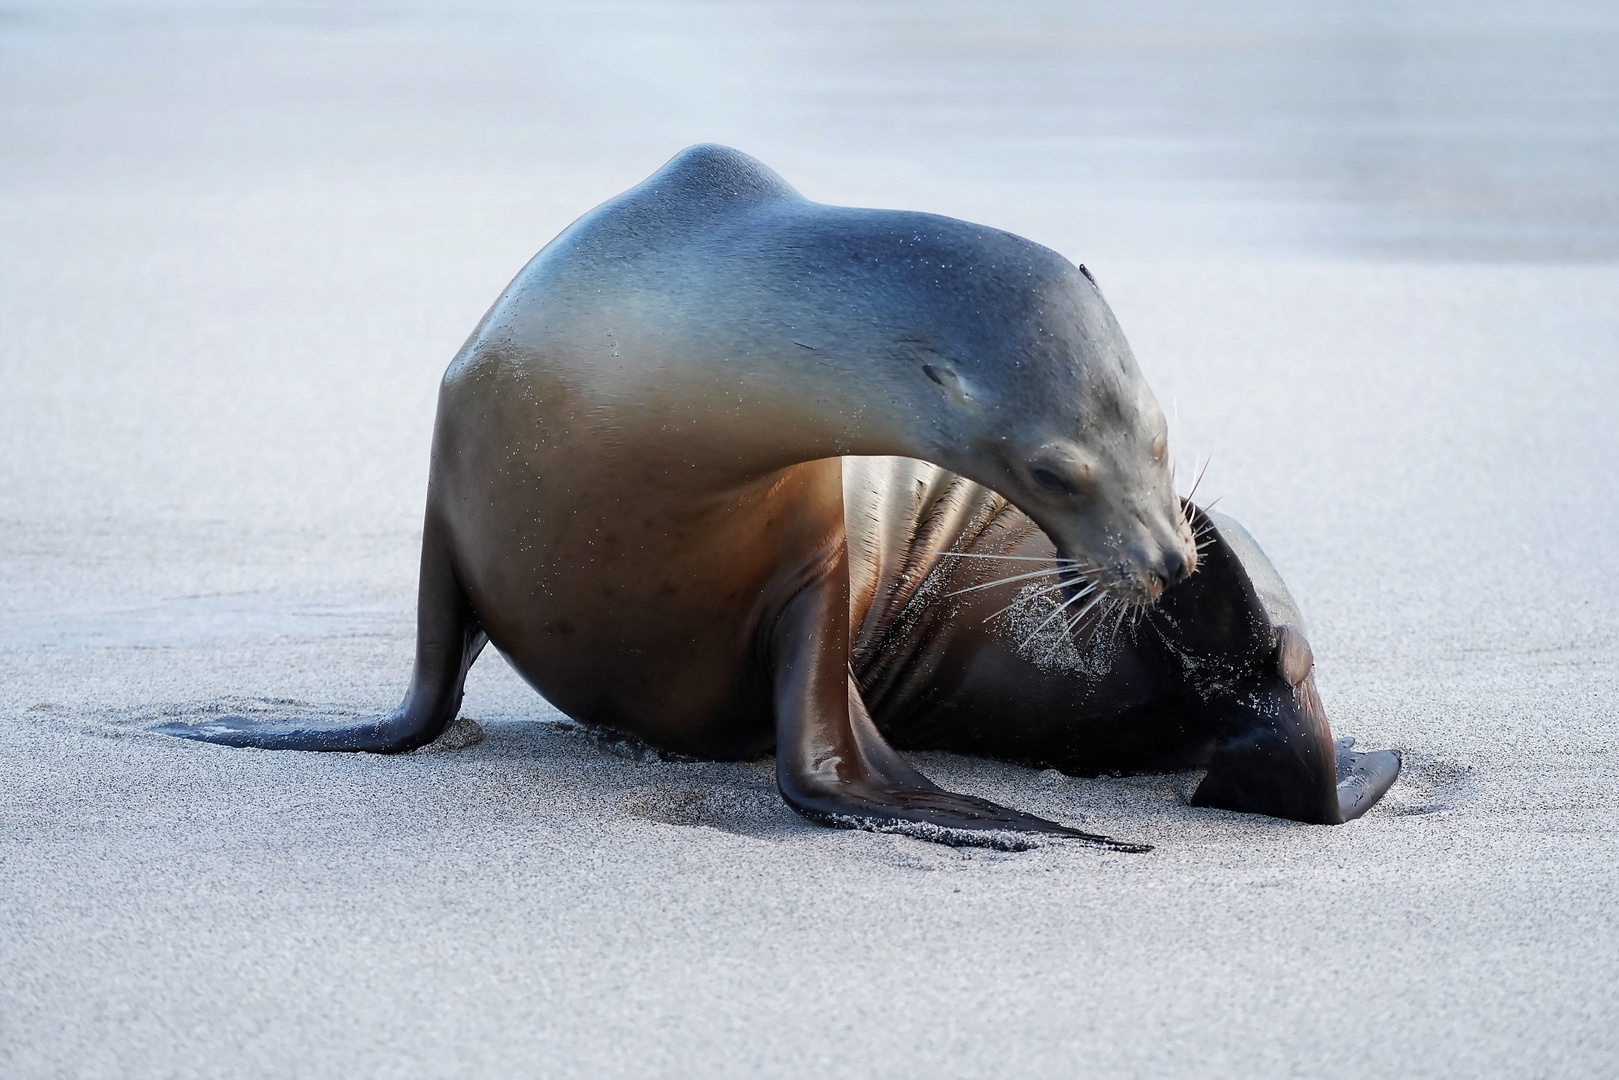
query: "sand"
216, 389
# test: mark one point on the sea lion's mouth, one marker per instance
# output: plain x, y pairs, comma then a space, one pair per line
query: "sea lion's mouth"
1081, 578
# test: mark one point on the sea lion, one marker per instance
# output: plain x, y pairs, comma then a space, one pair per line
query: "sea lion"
637, 489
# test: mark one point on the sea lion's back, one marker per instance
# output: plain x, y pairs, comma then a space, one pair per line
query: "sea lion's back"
693, 189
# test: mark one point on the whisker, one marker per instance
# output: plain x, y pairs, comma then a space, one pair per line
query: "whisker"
1005, 581
1073, 621
1119, 621
1170, 448
1084, 611
1060, 609
1024, 595
1012, 558
1153, 624
1101, 614
1200, 473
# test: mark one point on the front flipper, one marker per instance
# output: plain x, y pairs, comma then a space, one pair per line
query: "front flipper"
1363, 778
833, 767
931, 813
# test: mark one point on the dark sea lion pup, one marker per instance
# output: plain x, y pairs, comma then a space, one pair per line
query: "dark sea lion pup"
971, 636
637, 488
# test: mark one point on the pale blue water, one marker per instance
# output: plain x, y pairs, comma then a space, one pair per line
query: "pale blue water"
1436, 129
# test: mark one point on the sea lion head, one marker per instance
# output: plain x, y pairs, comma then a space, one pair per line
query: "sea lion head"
1238, 637
1242, 652
1061, 423
1237, 631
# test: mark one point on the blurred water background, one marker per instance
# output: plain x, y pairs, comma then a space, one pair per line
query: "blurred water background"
1474, 129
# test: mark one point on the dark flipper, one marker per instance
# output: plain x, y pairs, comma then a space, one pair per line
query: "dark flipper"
448, 640
1363, 778
833, 767
943, 817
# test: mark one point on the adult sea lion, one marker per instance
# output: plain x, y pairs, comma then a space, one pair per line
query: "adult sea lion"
638, 486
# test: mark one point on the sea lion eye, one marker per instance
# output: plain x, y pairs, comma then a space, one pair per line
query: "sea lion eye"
1052, 481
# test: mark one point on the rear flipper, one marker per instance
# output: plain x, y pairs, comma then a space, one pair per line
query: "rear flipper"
1363, 778
448, 640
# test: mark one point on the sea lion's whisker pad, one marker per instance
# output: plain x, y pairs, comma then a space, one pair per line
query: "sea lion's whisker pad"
715, 525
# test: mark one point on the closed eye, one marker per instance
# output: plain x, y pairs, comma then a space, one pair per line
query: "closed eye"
1053, 482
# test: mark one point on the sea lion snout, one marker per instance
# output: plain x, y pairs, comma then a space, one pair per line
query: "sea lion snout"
1175, 565
1131, 556
1109, 507
1138, 573
1164, 562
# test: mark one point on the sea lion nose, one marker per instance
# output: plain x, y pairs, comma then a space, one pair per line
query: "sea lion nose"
1176, 568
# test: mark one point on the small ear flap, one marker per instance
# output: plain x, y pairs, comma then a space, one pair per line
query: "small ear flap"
955, 388
1294, 659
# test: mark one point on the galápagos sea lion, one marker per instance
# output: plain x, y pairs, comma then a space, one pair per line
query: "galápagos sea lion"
638, 487
968, 639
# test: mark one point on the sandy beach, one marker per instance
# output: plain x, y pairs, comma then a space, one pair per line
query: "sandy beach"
239, 250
